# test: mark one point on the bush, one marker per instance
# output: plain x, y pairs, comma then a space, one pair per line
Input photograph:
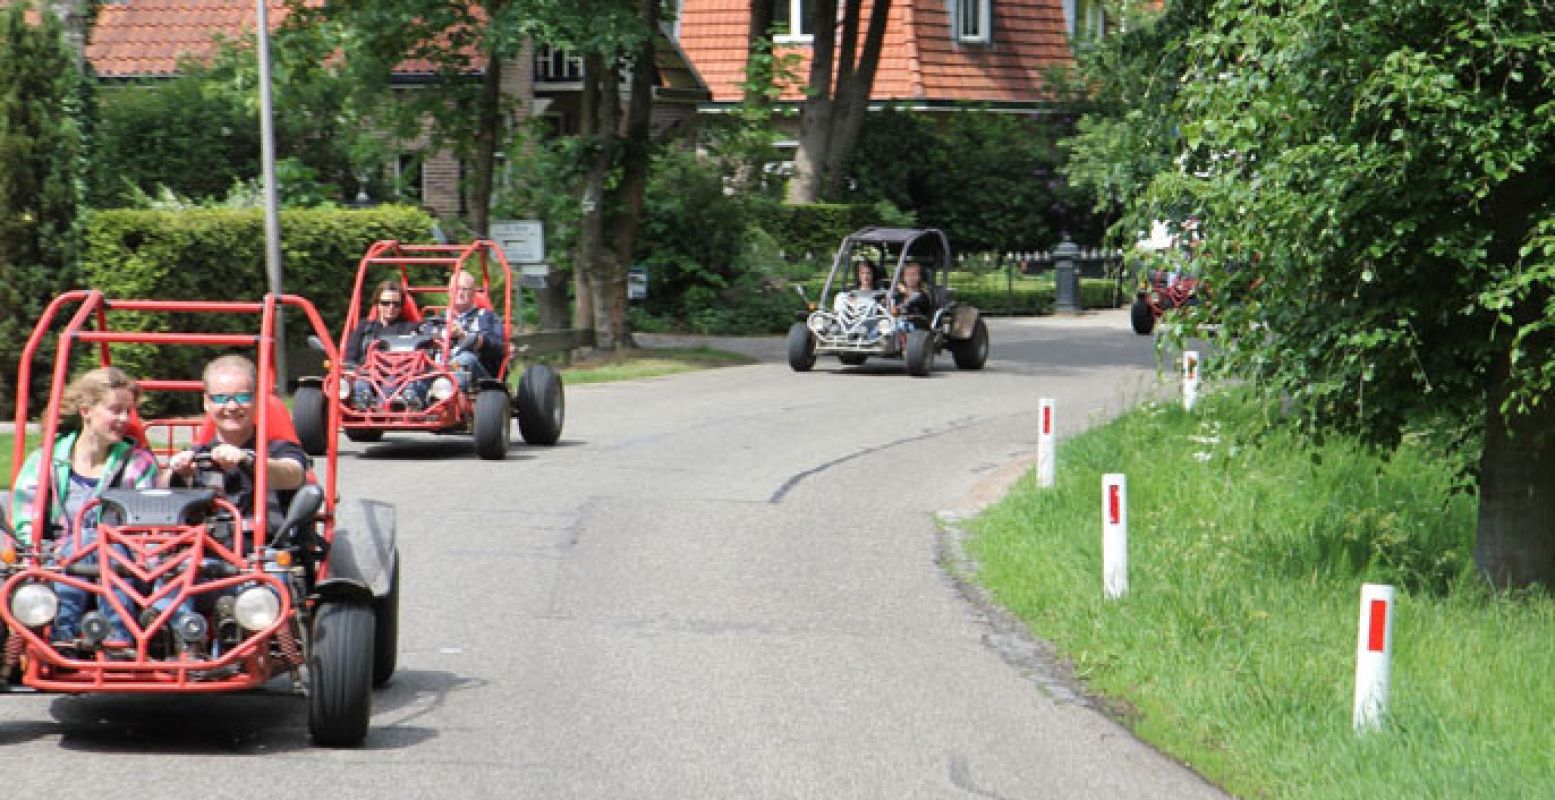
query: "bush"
218, 254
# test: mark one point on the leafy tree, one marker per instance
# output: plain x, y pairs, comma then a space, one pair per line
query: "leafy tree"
40, 153
1385, 169
466, 45
988, 179
197, 135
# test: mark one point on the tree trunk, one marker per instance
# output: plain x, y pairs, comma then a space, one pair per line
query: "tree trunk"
600, 136
855, 84
636, 160
487, 135
596, 255
815, 120
1515, 546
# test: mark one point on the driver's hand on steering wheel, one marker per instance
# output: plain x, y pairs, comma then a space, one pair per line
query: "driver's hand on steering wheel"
224, 456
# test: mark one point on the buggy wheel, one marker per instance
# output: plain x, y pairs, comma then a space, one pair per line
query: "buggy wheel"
801, 348
364, 434
1141, 317
972, 353
542, 406
340, 674
920, 353
852, 359
311, 415
493, 424
386, 630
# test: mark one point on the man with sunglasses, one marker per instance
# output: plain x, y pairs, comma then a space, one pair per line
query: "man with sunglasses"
476, 332
229, 402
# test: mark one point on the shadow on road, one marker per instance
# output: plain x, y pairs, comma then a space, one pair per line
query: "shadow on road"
257, 723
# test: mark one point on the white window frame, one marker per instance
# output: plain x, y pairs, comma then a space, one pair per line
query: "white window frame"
796, 21
983, 9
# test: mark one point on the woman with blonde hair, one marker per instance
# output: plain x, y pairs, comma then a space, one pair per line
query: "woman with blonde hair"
100, 455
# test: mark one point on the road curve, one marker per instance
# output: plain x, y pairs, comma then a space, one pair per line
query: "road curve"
720, 584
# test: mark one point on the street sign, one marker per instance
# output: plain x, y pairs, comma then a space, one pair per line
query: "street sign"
637, 283
533, 276
522, 240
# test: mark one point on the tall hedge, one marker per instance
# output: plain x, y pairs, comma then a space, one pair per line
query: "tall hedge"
815, 230
218, 254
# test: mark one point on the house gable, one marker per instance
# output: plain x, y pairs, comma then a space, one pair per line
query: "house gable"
921, 61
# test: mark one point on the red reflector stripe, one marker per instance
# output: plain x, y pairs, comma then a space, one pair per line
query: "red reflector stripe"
1114, 504
1377, 628
1047, 420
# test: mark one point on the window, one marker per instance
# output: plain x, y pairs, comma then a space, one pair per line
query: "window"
974, 20
1086, 19
788, 18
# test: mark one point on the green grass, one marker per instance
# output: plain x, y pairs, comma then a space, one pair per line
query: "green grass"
648, 363
1235, 649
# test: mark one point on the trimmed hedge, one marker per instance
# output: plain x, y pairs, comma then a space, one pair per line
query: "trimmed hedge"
817, 229
219, 254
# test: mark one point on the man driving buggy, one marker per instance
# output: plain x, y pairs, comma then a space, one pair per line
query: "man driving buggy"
474, 331
229, 401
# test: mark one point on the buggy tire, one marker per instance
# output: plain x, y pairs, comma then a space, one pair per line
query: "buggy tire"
852, 359
310, 414
386, 630
972, 353
920, 353
493, 424
542, 405
801, 348
340, 674
1141, 317
364, 434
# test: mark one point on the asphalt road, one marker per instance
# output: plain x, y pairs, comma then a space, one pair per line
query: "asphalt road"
722, 584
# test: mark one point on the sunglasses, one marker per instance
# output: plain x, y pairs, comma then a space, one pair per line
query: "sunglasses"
394, 303
241, 398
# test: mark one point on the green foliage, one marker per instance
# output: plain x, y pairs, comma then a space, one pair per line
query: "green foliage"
197, 135
218, 254
1383, 165
692, 234
987, 179
40, 177
813, 232
1234, 649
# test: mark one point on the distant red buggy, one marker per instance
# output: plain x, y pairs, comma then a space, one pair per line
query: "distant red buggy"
407, 380
213, 598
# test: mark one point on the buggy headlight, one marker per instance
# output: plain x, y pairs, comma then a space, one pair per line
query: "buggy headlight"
34, 605
345, 389
256, 608
816, 323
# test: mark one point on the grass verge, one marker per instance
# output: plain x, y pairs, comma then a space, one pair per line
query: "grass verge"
647, 363
1235, 649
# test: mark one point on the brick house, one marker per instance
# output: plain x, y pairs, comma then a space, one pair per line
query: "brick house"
937, 54
139, 40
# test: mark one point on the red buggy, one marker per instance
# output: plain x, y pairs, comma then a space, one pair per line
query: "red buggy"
408, 374
314, 597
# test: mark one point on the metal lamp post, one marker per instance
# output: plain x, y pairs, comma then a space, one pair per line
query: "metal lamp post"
267, 169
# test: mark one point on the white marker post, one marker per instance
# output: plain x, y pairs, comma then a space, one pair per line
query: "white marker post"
1046, 464
1114, 535
1190, 379
1373, 656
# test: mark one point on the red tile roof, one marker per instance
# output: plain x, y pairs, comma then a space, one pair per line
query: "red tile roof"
920, 60
147, 38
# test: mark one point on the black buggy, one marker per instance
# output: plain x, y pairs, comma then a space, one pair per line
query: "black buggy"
855, 323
